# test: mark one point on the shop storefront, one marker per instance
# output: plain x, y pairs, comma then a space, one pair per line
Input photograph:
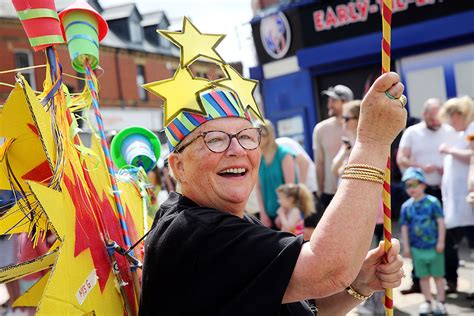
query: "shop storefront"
306, 47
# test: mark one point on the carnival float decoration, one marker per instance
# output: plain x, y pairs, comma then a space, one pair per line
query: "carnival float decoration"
51, 182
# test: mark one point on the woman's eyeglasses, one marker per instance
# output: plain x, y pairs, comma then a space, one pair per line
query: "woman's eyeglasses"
412, 185
219, 141
348, 118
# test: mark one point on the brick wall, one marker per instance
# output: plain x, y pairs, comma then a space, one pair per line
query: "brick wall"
118, 87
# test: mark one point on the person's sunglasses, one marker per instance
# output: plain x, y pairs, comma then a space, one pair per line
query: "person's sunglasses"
219, 141
348, 118
412, 185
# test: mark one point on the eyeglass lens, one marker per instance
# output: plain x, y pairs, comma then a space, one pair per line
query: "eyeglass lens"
218, 141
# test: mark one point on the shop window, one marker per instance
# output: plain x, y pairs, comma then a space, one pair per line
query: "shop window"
25, 59
463, 72
442, 74
424, 84
140, 81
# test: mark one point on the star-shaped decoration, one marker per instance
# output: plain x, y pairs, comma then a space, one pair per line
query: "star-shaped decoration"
180, 93
74, 212
28, 154
243, 87
80, 211
194, 44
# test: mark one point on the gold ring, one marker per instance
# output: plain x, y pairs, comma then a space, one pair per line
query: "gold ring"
403, 100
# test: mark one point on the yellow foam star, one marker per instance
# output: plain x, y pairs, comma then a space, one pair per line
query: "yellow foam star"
194, 44
243, 87
180, 93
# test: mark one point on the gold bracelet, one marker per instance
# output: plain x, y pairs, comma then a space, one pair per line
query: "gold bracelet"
364, 166
353, 292
363, 172
366, 174
361, 177
375, 173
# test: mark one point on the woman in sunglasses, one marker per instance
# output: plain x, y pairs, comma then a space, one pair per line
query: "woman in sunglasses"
350, 119
205, 256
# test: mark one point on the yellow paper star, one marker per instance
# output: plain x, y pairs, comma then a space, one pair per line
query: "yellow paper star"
193, 43
180, 93
243, 87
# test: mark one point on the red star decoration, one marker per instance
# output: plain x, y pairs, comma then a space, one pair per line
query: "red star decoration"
41, 173
104, 212
86, 230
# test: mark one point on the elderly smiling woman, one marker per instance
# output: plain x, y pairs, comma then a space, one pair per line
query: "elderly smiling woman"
205, 256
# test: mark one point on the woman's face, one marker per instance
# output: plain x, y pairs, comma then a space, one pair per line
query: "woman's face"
220, 180
349, 122
457, 121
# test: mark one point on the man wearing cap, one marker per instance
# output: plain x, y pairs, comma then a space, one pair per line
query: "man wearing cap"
327, 136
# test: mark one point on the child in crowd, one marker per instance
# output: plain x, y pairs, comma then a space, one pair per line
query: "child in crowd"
296, 203
424, 231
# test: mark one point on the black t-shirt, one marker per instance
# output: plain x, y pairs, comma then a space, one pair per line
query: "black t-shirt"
202, 261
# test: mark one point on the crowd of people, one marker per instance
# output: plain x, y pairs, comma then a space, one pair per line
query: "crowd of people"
293, 191
439, 148
290, 192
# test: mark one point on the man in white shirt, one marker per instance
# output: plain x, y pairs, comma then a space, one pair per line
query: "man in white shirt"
419, 147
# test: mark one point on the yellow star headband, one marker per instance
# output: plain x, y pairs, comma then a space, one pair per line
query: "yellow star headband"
190, 102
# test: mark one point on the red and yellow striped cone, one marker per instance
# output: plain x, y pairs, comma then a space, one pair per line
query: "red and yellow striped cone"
40, 22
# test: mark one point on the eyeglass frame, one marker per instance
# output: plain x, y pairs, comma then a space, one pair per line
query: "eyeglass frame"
231, 136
